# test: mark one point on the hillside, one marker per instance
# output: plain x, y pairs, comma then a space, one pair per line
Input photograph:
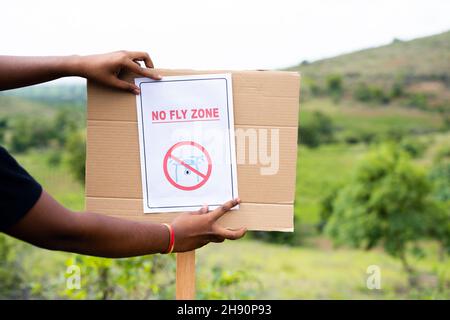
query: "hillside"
42, 100
16, 105
419, 59
412, 73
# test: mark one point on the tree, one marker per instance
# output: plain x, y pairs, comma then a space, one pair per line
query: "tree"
27, 132
440, 179
318, 129
76, 154
387, 202
65, 122
334, 86
3, 128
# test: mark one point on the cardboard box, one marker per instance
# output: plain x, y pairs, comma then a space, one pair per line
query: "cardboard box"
262, 100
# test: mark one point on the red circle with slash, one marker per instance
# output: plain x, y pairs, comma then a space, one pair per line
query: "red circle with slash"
204, 176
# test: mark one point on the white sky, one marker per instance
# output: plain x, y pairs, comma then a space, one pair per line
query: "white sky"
211, 34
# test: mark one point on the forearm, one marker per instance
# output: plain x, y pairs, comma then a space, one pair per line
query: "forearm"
49, 225
104, 236
18, 72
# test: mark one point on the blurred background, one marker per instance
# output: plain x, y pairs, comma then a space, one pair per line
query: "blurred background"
372, 207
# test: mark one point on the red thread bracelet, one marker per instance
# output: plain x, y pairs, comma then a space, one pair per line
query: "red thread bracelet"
171, 238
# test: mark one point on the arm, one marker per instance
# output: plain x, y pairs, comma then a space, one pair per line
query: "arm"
18, 72
49, 225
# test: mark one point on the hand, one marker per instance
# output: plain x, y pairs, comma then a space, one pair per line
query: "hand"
196, 229
105, 68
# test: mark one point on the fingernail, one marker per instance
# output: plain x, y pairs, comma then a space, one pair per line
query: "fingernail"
158, 76
238, 200
136, 91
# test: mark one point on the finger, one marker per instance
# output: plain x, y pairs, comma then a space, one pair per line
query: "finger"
124, 85
202, 210
136, 68
231, 234
144, 56
227, 206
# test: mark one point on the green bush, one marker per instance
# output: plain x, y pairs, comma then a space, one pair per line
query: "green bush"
440, 178
65, 122
414, 147
362, 93
365, 93
130, 278
3, 129
76, 154
358, 136
396, 91
417, 100
387, 202
12, 284
379, 95
334, 84
226, 284
317, 130
310, 86
443, 153
27, 132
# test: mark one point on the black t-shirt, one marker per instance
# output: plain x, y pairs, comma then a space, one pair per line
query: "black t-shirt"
19, 192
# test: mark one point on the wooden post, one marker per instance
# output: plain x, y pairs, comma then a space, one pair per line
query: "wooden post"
185, 286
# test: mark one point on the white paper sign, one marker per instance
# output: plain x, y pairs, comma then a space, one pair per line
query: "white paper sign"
186, 140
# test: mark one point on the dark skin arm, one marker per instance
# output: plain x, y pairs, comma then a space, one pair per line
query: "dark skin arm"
50, 225
16, 72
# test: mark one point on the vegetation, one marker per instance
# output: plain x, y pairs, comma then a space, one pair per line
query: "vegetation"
394, 73
373, 188
387, 202
317, 130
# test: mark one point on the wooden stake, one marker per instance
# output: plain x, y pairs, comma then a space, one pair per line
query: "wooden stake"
185, 287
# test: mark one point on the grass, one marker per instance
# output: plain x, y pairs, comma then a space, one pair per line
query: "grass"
266, 271
323, 167
405, 59
318, 170
354, 117
280, 272
54, 179
252, 269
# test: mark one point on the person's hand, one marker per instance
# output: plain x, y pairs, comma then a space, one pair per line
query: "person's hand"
196, 229
106, 68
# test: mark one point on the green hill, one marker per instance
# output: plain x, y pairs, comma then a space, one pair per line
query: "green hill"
16, 105
42, 100
421, 68
420, 59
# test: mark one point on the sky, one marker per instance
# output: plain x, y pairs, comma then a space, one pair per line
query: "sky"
243, 34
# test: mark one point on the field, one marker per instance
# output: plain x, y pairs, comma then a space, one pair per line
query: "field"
350, 106
314, 270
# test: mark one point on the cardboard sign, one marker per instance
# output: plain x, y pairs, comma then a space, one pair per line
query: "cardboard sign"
186, 140
266, 107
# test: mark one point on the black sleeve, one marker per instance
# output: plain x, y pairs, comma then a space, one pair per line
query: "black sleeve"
18, 191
